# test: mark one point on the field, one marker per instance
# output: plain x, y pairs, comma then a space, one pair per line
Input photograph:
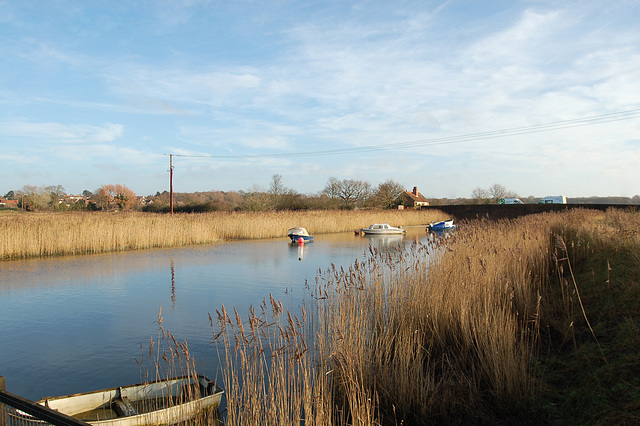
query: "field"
57, 234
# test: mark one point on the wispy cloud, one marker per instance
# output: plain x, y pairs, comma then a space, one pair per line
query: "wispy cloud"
199, 77
56, 132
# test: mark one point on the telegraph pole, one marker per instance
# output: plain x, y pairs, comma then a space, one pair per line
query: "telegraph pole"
171, 183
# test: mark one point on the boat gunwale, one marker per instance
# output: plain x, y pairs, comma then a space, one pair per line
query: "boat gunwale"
170, 414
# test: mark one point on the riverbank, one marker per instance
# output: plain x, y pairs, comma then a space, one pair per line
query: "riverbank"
26, 235
530, 321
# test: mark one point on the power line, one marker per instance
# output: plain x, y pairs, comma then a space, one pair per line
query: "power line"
515, 131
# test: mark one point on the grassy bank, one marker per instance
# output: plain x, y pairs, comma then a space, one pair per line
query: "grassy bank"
531, 321
55, 234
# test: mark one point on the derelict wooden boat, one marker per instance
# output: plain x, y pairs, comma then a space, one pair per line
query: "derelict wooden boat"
160, 402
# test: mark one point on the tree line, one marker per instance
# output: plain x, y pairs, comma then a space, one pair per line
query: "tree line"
337, 194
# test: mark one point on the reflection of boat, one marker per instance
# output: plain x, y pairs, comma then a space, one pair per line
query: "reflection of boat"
443, 224
441, 233
382, 229
159, 402
296, 233
382, 241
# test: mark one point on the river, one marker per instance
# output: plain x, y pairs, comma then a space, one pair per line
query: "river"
75, 324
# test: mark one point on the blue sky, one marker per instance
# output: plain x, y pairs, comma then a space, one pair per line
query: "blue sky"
425, 93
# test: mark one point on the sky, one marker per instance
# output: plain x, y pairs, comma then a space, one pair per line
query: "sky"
541, 97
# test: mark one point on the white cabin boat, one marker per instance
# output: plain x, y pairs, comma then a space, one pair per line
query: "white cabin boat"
383, 229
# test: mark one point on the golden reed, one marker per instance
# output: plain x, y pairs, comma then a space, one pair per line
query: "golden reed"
71, 233
443, 333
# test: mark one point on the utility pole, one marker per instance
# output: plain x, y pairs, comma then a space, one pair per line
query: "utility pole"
171, 183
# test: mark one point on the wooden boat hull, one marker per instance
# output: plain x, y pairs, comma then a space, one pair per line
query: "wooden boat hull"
167, 400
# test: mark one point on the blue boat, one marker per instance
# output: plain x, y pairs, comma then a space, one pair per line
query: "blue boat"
297, 233
443, 224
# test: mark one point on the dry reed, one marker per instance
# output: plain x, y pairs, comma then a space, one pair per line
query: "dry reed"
71, 233
438, 333
168, 358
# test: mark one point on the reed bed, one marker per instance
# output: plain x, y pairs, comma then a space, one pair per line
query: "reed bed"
447, 332
166, 358
72, 233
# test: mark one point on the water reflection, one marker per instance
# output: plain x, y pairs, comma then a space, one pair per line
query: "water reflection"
173, 284
441, 233
76, 324
385, 242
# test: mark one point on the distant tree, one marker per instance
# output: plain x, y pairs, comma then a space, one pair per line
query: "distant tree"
33, 198
87, 194
56, 193
497, 191
387, 194
116, 195
480, 195
9, 195
352, 193
333, 188
256, 200
278, 193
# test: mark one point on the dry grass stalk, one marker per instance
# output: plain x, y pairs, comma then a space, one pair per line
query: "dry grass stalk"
69, 233
166, 358
442, 332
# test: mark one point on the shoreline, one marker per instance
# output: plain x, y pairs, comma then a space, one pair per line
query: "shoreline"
54, 234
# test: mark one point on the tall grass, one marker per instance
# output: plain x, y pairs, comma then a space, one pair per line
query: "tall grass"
445, 332
168, 358
55, 234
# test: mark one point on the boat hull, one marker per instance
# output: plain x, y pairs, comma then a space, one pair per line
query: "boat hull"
442, 225
296, 233
382, 229
102, 403
296, 238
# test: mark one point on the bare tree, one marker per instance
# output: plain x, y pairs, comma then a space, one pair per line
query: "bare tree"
277, 192
332, 188
56, 193
497, 191
480, 195
388, 193
353, 193
33, 198
255, 200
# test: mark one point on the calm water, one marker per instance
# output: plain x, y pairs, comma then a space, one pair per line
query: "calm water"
76, 324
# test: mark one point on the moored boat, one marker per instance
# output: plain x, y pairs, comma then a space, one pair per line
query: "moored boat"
296, 233
383, 229
443, 224
160, 402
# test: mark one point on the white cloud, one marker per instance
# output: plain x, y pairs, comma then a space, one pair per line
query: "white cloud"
57, 132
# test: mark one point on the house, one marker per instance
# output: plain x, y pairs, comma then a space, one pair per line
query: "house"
73, 199
414, 199
8, 203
